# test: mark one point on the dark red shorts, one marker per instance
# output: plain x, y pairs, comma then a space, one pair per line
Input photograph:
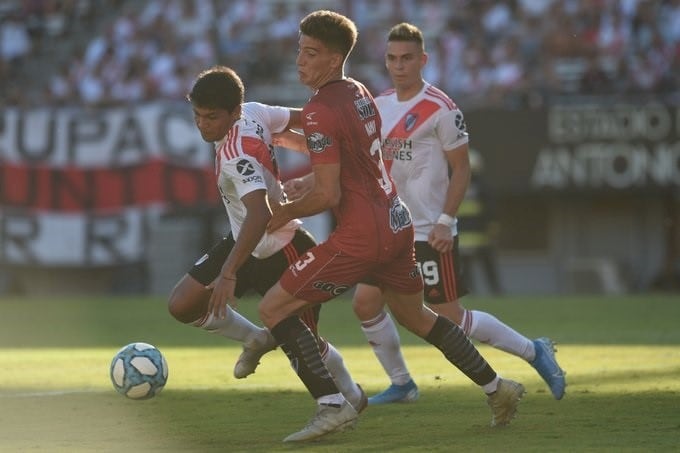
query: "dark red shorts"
324, 272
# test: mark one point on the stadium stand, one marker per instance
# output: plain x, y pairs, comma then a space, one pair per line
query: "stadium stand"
511, 53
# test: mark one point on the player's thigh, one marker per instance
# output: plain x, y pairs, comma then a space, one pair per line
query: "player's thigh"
267, 272
278, 304
188, 299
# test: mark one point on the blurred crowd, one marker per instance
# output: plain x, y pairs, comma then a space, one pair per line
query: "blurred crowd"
509, 53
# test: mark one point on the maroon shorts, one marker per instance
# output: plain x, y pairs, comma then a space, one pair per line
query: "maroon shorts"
324, 272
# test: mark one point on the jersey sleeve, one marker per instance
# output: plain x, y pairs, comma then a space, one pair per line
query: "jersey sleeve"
276, 118
451, 129
245, 173
321, 133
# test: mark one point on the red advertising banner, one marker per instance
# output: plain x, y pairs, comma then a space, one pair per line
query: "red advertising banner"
85, 187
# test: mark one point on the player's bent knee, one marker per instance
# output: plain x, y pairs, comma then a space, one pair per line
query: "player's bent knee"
178, 309
367, 312
188, 301
367, 302
451, 310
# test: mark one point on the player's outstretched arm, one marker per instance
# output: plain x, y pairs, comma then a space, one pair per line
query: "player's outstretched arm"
291, 140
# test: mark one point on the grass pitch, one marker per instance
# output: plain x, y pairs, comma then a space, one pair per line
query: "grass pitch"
621, 355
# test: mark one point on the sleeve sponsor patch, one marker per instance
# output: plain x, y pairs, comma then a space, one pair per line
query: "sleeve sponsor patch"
317, 142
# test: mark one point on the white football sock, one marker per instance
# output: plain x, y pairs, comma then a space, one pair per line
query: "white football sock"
491, 386
488, 329
336, 365
335, 399
382, 335
235, 327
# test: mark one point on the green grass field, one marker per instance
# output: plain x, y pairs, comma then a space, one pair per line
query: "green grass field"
621, 355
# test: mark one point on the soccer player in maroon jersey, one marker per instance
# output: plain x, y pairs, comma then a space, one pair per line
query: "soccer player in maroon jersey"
373, 238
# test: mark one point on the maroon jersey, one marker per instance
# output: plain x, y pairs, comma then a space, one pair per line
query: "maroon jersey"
342, 125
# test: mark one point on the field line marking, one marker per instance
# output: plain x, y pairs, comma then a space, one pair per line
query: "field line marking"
49, 393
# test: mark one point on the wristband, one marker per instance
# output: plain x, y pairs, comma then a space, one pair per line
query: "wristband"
447, 220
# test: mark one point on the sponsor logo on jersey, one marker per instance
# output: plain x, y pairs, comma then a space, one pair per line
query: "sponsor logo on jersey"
259, 130
245, 167
400, 217
310, 119
459, 120
255, 178
365, 107
317, 142
410, 121
433, 293
395, 148
332, 288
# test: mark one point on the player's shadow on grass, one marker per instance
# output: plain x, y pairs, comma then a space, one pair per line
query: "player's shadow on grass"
259, 420
244, 419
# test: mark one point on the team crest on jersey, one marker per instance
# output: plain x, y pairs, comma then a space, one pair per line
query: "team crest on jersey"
245, 167
410, 121
317, 142
400, 217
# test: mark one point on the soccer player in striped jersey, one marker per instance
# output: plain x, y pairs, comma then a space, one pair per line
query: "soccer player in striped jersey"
426, 143
249, 258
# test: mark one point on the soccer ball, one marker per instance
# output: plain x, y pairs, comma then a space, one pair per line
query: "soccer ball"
139, 371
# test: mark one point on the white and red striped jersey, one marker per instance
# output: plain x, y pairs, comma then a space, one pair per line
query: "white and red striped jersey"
416, 134
244, 161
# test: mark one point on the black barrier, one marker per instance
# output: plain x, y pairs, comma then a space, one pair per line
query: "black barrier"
575, 148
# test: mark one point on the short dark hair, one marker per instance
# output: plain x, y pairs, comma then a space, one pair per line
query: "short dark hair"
219, 87
407, 32
334, 30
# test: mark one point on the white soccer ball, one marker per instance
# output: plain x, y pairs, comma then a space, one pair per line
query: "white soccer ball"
139, 371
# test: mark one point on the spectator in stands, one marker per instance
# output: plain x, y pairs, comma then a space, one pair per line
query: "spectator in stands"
545, 45
15, 42
595, 80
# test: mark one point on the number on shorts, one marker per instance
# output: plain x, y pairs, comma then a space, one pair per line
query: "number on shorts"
304, 261
430, 272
